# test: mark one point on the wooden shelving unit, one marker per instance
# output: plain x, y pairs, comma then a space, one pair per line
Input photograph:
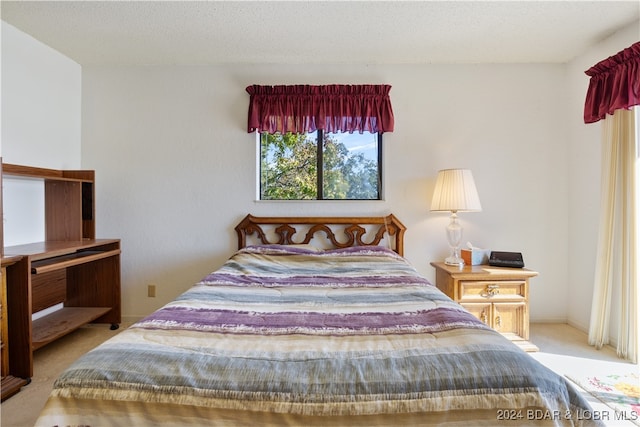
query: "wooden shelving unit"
71, 267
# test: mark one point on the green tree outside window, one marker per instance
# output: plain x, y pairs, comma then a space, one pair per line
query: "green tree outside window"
349, 165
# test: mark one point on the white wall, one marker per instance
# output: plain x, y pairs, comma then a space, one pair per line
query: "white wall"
41, 116
176, 167
584, 178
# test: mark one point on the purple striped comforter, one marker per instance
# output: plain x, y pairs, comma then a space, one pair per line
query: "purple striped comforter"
290, 336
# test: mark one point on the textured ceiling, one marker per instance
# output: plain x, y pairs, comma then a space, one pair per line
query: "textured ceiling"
359, 32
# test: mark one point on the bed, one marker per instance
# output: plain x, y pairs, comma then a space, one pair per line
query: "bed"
291, 332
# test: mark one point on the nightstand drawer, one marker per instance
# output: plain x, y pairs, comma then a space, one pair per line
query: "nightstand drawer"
495, 290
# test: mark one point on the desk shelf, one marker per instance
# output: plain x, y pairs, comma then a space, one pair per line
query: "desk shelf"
83, 276
61, 322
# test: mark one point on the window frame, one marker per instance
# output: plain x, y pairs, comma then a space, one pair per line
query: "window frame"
319, 138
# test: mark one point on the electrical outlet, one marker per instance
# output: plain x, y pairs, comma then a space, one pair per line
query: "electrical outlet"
151, 291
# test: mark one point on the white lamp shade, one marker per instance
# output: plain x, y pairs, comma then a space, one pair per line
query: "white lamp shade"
455, 191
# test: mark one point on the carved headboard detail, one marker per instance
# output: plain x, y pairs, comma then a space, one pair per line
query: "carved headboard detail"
358, 231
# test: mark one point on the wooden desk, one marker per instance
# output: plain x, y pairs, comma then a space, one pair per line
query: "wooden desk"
83, 276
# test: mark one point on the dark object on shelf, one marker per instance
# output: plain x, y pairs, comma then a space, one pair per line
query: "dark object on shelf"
506, 259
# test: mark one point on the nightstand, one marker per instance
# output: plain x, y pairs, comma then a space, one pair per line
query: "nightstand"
497, 296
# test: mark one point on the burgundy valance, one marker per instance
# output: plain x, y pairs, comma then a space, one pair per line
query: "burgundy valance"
332, 108
614, 84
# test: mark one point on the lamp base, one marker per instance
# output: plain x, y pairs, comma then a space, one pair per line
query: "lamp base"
453, 260
454, 235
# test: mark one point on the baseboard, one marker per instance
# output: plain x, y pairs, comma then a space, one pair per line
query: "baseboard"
576, 325
131, 319
549, 320
613, 338
579, 326
613, 341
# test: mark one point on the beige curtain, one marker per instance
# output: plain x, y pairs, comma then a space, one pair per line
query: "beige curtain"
616, 264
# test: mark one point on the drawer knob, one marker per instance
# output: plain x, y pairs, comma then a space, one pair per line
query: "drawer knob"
498, 322
491, 290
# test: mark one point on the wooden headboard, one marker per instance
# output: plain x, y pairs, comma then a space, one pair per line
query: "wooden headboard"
340, 232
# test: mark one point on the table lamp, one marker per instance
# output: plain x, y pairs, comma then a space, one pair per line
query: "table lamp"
455, 191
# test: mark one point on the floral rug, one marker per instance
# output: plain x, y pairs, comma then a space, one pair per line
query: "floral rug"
620, 392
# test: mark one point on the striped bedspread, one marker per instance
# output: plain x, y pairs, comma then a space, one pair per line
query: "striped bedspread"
291, 336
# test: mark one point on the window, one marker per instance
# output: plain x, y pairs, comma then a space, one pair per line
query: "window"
320, 142
345, 166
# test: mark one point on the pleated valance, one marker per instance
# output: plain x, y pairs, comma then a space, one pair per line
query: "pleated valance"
331, 108
614, 84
